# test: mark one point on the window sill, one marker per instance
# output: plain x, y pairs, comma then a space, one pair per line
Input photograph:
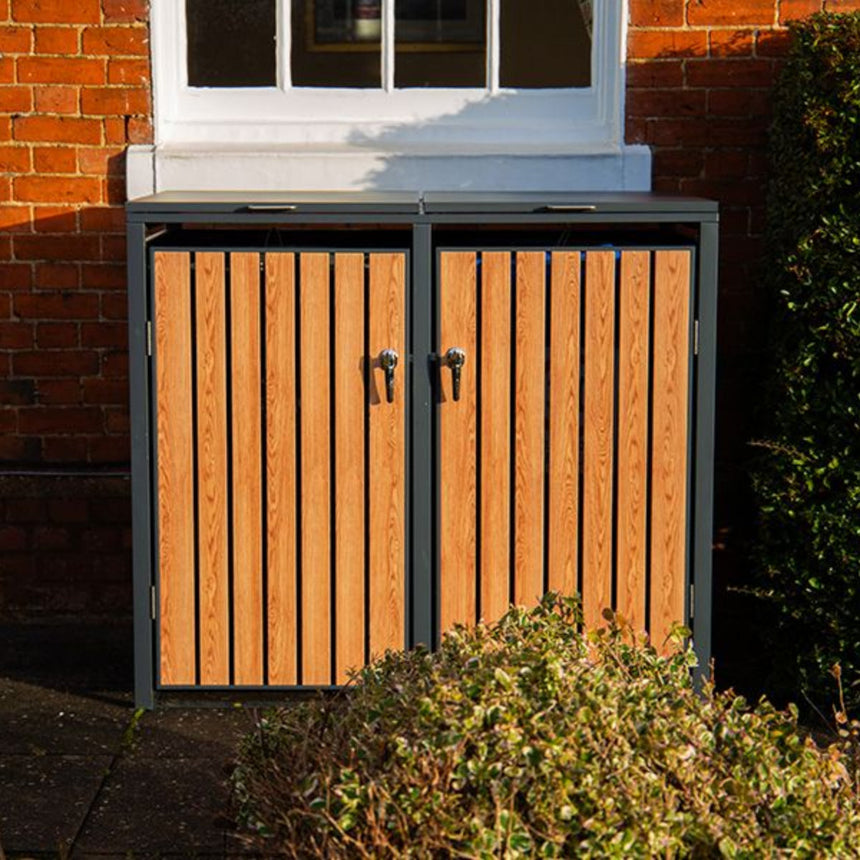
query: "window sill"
207, 167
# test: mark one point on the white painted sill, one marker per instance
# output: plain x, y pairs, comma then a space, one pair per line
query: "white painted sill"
221, 167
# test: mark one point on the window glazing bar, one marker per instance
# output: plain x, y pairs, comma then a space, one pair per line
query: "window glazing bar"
493, 46
283, 47
387, 58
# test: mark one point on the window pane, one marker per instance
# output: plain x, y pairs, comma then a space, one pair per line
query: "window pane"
440, 43
546, 44
231, 44
336, 43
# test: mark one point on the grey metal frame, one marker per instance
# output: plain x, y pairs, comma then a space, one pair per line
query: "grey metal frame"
703, 468
423, 216
139, 397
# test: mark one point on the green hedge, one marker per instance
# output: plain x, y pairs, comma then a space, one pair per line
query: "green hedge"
807, 481
525, 739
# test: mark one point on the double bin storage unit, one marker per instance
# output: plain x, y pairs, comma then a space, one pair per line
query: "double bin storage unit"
360, 419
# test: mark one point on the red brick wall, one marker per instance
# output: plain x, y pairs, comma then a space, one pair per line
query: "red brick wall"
74, 91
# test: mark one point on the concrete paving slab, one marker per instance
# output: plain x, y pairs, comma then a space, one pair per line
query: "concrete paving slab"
192, 733
43, 721
75, 759
159, 806
45, 799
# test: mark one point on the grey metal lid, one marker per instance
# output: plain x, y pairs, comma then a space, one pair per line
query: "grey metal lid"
257, 205
619, 202
275, 202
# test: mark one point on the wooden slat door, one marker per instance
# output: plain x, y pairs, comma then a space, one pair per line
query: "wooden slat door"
281, 465
563, 466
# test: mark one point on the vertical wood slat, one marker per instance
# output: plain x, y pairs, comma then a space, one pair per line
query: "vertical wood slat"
247, 469
633, 310
529, 400
281, 467
175, 468
349, 398
598, 434
669, 445
387, 451
495, 454
457, 441
563, 502
212, 469
315, 471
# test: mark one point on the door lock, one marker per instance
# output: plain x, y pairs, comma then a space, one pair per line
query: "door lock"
455, 358
388, 361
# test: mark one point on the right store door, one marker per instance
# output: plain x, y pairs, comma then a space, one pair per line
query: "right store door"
564, 419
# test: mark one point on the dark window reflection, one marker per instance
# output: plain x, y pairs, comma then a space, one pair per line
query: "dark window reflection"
545, 44
230, 43
440, 43
336, 43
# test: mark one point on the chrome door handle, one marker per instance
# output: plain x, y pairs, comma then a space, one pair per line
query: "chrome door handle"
388, 361
455, 358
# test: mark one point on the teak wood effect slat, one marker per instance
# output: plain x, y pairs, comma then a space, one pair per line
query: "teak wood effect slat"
529, 398
213, 522
563, 502
457, 440
387, 452
281, 478
247, 462
349, 516
669, 445
176, 598
314, 309
633, 371
495, 435
598, 418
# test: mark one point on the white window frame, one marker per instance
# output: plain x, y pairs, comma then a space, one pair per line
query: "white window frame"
420, 121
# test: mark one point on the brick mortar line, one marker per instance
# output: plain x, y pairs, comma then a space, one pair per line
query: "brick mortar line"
702, 28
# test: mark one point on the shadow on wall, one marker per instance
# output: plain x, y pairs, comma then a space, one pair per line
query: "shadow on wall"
64, 450
444, 144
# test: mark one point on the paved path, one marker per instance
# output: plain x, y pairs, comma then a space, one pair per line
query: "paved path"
83, 775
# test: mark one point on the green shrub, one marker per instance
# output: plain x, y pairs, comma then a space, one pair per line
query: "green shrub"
527, 739
807, 481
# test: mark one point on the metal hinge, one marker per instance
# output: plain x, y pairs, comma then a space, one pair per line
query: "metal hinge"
149, 337
695, 337
152, 602
692, 599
